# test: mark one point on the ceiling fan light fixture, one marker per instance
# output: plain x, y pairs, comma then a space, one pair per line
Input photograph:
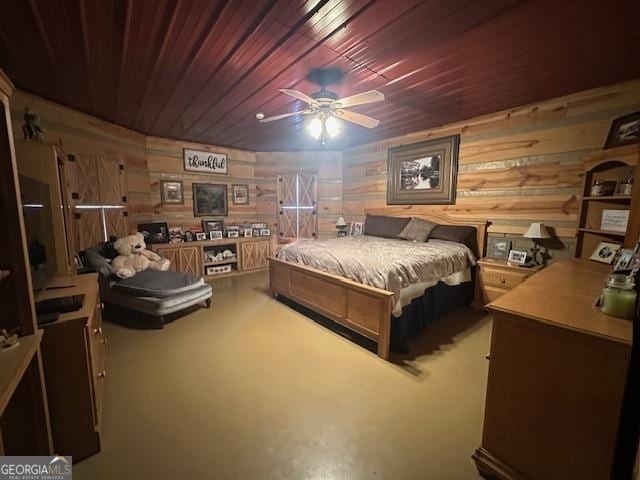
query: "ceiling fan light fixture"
333, 126
315, 127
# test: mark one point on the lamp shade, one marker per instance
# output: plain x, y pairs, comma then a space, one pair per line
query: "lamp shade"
341, 222
537, 230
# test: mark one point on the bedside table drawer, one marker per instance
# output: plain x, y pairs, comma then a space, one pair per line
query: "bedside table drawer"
490, 293
502, 278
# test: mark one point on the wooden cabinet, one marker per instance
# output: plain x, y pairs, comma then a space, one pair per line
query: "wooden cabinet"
73, 353
556, 378
497, 277
252, 252
254, 255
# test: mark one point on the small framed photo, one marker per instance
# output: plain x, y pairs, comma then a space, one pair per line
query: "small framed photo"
212, 226
356, 228
265, 232
247, 232
499, 248
78, 261
256, 232
188, 236
171, 192
215, 235
233, 233
517, 257
625, 260
624, 131
240, 194
201, 236
605, 252
176, 234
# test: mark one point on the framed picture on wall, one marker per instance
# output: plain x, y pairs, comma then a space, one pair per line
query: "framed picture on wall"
423, 173
624, 131
171, 192
209, 199
240, 194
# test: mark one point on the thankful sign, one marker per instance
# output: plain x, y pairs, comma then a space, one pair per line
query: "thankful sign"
208, 162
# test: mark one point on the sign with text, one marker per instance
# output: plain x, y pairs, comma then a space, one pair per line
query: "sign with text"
205, 162
35, 468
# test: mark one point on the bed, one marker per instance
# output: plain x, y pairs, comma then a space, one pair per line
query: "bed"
363, 282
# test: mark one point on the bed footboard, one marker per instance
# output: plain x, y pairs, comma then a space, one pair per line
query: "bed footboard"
361, 308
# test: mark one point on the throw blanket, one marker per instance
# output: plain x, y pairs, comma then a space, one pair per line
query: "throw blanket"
380, 262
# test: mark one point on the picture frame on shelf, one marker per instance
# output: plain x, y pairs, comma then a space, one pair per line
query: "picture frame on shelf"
157, 232
605, 252
624, 261
215, 235
355, 228
499, 248
256, 232
210, 200
211, 225
171, 192
247, 232
517, 257
624, 130
188, 236
176, 234
201, 236
233, 234
240, 193
265, 232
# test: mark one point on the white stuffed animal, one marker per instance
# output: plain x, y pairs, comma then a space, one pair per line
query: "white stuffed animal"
134, 257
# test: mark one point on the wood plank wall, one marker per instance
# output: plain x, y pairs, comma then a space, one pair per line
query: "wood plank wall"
327, 165
83, 134
516, 166
165, 162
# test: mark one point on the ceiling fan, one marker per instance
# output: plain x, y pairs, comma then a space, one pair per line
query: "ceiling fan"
328, 109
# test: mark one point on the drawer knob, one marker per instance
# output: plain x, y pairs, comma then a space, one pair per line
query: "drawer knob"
102, 374
97, 331
503, 280
103, 340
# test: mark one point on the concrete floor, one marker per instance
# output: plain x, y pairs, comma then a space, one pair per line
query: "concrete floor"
252, 389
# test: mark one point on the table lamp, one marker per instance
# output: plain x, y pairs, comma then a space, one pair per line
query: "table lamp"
341, 225
535, 232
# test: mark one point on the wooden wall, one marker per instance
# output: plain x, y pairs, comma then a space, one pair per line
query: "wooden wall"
515, 167
327, 165
86, 135
165, 162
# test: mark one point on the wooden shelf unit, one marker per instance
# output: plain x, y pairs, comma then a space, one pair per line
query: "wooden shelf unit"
251, 255
613, 164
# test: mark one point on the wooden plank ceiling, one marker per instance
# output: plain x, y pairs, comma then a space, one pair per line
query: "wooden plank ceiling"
200, 70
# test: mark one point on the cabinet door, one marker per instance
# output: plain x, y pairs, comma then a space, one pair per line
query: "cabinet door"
109, 176
255, 254
86, 179
170, 254
88, 228
116, 222
190, 260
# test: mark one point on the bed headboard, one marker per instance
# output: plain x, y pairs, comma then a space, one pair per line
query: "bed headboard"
440, 218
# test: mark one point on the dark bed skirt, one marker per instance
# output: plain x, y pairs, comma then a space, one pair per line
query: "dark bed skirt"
435, 302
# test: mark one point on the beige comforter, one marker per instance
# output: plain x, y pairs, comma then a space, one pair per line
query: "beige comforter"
380, 262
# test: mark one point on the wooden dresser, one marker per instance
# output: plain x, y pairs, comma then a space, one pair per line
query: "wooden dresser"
497, 277
73, 354
556, 378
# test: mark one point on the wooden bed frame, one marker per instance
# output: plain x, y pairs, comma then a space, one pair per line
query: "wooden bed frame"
358, 307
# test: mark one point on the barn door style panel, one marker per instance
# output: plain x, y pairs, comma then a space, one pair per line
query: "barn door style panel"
255, 254
297, 197
190, 260
86, 180
115, 222
110, 175
88, 228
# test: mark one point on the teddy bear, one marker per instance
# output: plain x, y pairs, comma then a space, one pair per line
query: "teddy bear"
134, 257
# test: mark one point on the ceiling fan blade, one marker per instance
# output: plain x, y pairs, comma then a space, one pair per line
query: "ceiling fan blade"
300, 96
285, 115
371, 96
357, 118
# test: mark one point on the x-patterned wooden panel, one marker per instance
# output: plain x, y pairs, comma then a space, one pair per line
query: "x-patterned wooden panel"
109, 173
116, 222
307, 190
286, 191
190, 260
88, 228
86, 178
255, 254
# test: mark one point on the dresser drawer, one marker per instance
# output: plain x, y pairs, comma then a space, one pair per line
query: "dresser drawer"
490, 293
502, 278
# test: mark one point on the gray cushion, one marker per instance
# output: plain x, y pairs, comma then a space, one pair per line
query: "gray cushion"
160, 306
151, 283
95, 261
383, 226
417, 230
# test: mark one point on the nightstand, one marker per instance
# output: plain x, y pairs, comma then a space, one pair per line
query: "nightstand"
497, 277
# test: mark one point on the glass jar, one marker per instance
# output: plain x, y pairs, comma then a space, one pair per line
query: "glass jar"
626, 186
618, 298
597, 189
